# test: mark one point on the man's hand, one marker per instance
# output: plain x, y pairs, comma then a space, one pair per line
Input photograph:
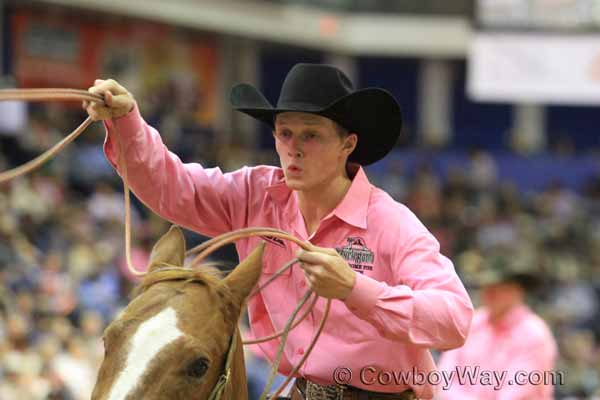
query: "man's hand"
327, 273
118, 100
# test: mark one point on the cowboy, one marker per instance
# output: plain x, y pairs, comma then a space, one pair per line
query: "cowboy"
395, 296
507, 342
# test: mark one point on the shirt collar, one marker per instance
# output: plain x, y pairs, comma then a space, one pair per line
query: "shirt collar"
353, 207
279, 190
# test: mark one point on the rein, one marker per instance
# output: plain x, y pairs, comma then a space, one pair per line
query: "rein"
203, 249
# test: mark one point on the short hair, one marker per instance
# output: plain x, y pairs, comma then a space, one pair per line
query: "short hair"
341, 131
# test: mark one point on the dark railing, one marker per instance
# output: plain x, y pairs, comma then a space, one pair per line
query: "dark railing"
427, 7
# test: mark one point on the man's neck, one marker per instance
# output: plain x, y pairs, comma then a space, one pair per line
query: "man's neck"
316, 204
498, 316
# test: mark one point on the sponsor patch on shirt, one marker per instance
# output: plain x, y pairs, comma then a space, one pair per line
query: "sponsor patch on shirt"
358, 255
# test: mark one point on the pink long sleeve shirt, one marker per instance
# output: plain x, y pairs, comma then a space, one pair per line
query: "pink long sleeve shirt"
407, 297
519, 348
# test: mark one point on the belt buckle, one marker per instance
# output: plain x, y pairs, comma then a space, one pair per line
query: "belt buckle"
314, 391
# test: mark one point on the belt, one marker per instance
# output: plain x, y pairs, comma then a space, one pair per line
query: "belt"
313, 391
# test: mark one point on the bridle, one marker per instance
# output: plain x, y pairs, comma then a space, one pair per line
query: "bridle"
203, 249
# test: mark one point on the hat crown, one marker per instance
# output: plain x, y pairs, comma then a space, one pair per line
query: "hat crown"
372, 113
314, 84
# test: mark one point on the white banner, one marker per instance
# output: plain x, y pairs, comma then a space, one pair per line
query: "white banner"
538, 14
535, 68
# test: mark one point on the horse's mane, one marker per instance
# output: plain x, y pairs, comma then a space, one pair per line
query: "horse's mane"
207, 274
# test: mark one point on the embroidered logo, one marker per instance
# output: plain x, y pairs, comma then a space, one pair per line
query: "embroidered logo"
358, 255
275, 240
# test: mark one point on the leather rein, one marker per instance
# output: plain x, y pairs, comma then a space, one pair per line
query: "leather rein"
203, 249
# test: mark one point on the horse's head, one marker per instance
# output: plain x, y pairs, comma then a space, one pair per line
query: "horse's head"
172, 340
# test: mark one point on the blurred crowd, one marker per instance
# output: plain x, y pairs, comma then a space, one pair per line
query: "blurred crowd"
63, 276
556, 232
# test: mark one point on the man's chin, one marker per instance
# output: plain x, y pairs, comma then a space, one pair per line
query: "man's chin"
294, 184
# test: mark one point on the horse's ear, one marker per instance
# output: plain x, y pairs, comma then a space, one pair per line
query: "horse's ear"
243, 278
170, 249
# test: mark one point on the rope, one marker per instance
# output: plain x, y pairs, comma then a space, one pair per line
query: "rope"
279, 354
204, 249
44, 95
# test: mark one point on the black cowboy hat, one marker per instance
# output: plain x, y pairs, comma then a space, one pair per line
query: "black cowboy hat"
372, 113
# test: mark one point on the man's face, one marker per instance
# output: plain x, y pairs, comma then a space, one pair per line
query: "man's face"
500, 297
310, 149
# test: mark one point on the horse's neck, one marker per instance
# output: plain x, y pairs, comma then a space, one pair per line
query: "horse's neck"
238, 388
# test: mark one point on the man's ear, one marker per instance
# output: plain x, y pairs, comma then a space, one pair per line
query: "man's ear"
350, 142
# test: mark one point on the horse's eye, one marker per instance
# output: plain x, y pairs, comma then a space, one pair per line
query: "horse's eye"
197, 368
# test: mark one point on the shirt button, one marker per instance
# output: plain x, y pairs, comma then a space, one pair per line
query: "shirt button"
302, 283
301, 351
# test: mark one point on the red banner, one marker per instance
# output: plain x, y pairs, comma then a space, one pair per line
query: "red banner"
68, 49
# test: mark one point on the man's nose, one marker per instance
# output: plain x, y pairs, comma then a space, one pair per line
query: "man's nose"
295, 153
295, 149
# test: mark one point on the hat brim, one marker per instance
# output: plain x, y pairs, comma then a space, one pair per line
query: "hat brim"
372, 113
525, 280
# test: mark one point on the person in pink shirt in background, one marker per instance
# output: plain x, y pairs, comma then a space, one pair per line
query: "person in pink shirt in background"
508, 342
396, 296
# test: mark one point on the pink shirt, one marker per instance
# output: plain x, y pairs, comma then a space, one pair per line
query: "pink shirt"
407, 296
521, 341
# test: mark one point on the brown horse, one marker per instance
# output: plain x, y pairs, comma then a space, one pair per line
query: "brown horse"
172, 340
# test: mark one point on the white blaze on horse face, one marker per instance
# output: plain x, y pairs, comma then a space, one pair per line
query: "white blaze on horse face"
149, 339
